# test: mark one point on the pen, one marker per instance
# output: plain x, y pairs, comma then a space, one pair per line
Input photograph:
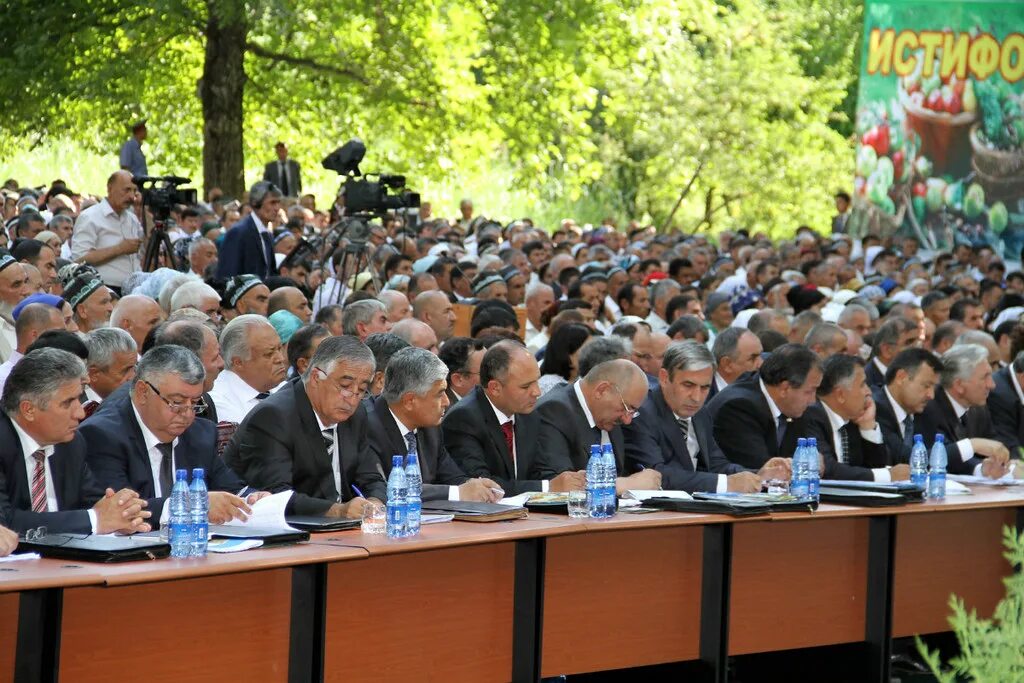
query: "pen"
498, 492
357, 491
640, 468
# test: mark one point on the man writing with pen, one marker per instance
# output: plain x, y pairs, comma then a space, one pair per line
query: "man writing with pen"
311, 436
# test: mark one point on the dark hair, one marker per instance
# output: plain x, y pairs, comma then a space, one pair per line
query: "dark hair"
567, 341
890, 331
301, 342
932, 298
789, 363
677, 303
676, 265
496, 361
27, 250
910, 360
959, 308
384, 345
456, 351
836, 370
625, 292
771, 339
392, 264
1005, 329
689, 325
60, 339
947, 330
328, 314
493, 316
489, 336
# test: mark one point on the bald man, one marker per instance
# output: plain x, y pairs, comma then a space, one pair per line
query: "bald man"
290, 299
417, 333
137, 314
397, 305
434, 309
575, 416
108, 235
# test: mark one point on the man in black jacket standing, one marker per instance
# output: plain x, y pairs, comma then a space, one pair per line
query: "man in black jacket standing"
492, 432
312, 436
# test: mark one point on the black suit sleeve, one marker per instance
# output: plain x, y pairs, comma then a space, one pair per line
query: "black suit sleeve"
464, 441
368, 474
1004, 410
644, 449
554, 447
816, 426
739, 433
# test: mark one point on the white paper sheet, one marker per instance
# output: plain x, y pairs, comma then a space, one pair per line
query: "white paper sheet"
267, 513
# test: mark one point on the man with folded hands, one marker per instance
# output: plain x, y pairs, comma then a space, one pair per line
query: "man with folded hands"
45, 480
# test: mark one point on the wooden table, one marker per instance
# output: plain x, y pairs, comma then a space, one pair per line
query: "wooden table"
516, 600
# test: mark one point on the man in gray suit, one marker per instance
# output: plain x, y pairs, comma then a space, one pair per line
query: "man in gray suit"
284, 173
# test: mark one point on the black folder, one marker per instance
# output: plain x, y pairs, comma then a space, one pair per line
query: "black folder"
737, 505
97, 548
861, 497
316, 525
911, 493
473, 511
270, 537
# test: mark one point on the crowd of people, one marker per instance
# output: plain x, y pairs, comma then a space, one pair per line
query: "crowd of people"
279, 351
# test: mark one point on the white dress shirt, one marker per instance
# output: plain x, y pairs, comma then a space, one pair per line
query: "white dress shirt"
91, 394
7, 366
720, 382
880, 365
502, 419
872, 435
335, 456
30, 446
693, 447
656, 322
100, 227
453, 491
964, 446
233, 397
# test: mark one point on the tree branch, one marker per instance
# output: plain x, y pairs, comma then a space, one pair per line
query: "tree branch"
682, 195
306, 62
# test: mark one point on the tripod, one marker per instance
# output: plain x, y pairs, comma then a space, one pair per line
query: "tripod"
158, 239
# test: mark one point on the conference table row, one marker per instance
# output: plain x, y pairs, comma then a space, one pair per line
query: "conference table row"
517, 600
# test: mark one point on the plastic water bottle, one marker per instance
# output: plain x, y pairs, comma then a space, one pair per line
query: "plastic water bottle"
919, 463
937, 469
610, 472
800, 484
413, 493
813, 475
179, 517
398, 510
595, 489
199, 511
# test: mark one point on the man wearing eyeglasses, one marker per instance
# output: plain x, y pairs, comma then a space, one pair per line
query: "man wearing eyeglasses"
311, 436
45, 480
592, 411
139, 438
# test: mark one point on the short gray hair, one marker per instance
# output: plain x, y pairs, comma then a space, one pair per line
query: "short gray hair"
195, 244
851, 310
59, 219
38, 376
959, 362
335, 349
105, 342
823, 334
536, 289
171, 286
259, 192
726, 342
687, 356
360, 312
974, 337
234, 339
187, 333
412, 370
170, 359
601, 350
191, 295
663, 288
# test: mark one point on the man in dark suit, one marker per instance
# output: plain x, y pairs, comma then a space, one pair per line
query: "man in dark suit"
406, 419
958, 412
284, 173
44, 478
737, 351
893, 336
591, 411
674, 436
311, 436
910, 385
248, 247
139, 437
1006, 405
843, 422
758, 417
492, 432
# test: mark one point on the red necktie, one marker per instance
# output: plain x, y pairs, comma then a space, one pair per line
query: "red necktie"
39, 483
510, 439
90, 407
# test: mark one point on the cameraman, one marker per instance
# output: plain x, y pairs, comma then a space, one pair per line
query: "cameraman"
108, 235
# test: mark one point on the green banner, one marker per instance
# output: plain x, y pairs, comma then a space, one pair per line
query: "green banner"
940, 123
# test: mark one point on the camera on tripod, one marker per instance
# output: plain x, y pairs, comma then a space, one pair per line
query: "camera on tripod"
365, 196
161, 200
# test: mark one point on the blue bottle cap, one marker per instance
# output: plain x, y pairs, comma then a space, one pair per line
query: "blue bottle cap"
918, 438
396, 460
411, 459
181, 475
595, 448
198, 472
812, 441
939, 438
801, 442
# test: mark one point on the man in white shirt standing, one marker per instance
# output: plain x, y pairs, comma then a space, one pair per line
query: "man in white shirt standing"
108, 235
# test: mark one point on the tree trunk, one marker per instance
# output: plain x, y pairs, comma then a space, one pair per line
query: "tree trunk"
221, 90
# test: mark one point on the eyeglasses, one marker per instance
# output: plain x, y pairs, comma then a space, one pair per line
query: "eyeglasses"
344, 391
37, 534
195, 407
632, 412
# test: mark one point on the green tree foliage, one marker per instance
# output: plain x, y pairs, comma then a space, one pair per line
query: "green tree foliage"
990, 649
612, 105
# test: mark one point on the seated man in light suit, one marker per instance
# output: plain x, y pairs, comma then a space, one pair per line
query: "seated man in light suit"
492, 432
674, 436
44, 477
138, 438
406, 418
592, 411
312, 436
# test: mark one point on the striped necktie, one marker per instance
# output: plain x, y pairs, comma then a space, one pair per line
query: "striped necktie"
39, 503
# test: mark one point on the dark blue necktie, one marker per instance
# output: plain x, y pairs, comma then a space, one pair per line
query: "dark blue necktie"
780, 430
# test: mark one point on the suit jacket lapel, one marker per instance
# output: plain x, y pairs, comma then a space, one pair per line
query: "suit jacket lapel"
138, 451
672, 431
316, 447
585, 433
495, 434
394, 435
